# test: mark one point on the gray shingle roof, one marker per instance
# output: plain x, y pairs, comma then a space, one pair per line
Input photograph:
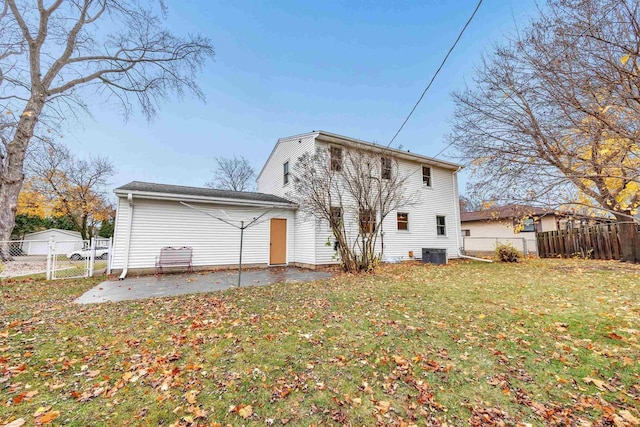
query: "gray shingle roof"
504, 212
150, 187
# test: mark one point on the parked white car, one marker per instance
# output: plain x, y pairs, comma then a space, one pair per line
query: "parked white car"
102, 252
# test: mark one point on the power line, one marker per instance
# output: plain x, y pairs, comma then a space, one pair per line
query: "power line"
437, 72
552, 59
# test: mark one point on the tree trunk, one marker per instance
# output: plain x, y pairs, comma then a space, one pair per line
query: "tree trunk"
11, 172
629, 239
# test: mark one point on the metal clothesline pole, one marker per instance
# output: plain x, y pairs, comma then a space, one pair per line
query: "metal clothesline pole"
241, 227
240, 261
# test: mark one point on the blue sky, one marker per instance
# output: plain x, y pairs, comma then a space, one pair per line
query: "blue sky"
286, 67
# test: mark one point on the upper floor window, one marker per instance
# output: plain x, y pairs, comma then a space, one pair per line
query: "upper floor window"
466, 232
285, 173
403, 221
441, 225
385, 170
335, 154
426, 176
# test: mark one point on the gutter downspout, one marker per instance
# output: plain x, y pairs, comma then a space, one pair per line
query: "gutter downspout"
456, 214
125, 267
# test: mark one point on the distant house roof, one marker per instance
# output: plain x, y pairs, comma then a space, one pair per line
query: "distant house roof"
68, 232
504, 212
179, 192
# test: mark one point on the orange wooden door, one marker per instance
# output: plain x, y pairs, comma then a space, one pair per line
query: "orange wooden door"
278, 244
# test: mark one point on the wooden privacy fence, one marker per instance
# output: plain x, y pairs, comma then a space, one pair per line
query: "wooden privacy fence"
597, 242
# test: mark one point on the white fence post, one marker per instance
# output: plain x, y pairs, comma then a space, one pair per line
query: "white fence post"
109, 252
49, 255
92, 255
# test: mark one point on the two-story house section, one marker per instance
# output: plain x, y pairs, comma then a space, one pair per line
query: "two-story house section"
431, 220
152, 216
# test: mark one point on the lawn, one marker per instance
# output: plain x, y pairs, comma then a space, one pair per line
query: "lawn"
542, 342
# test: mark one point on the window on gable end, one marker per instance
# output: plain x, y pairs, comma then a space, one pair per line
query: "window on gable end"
285, 173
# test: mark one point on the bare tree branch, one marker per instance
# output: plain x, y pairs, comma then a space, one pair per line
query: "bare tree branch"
553, 117
54, 58
235, 174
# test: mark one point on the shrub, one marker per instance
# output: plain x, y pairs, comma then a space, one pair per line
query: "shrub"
507, 253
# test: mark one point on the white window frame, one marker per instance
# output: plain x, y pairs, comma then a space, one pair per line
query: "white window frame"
398, 222
438, 226
285, 173
424, 185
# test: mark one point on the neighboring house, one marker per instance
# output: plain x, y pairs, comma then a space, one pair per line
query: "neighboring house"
512, 224
151, 216
38, 243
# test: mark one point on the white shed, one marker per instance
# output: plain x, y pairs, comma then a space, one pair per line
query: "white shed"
38, 243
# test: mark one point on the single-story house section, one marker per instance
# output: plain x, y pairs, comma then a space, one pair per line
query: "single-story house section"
510, 224
37, 243
152, 216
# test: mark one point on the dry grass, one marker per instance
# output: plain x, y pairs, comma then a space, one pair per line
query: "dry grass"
542, 342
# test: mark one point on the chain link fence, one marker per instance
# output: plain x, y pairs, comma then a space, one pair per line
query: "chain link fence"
53, 259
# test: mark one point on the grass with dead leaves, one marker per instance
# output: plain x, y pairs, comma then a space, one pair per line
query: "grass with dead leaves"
542, 342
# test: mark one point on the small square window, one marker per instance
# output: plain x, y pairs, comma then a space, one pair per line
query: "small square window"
403, 221
335, 154
441, 226
367, 220
426, 176
285, 173
466, 233
529, 225
385, 170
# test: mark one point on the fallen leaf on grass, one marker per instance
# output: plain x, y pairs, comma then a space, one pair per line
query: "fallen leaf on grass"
628, 417
601, 385
246, 411
383, 406
47, 417
191, 396
16, 423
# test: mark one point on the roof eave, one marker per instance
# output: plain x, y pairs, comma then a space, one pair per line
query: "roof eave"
339, 139
151, 195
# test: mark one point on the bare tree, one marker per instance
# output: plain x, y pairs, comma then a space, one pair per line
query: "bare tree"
354, 193
73, 188
470, 204
233, 173
553, 118
58, 58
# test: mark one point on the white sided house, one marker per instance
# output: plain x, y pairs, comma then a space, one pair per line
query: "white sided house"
514, 225
152, 216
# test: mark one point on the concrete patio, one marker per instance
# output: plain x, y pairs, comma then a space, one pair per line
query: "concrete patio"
181, 284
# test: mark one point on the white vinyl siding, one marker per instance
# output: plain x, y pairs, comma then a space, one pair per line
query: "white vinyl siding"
289, 150
440, 199
157, 224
